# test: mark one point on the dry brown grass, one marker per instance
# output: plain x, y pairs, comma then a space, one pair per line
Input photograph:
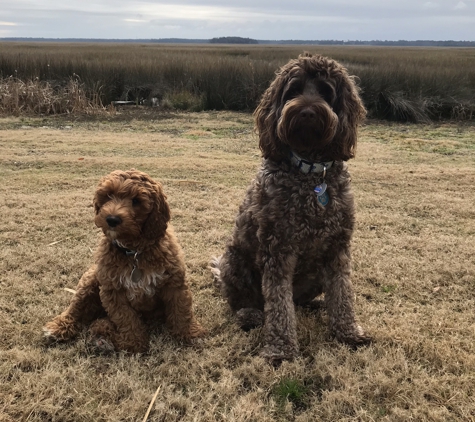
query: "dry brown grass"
414, 275
18, 97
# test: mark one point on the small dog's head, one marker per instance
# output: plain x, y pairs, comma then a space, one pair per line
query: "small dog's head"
131, 208
313, 108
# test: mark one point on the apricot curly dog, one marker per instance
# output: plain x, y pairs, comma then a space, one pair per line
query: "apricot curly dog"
139, 273
292, 235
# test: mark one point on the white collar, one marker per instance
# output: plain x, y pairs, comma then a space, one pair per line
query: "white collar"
307, 167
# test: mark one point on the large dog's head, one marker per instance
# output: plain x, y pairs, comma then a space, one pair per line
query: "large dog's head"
131, 208
313, 108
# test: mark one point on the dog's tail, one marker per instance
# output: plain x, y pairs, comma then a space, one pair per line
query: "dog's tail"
216, 271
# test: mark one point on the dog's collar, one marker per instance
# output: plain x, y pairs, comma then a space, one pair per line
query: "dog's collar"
307, 167
122, 248
136, 274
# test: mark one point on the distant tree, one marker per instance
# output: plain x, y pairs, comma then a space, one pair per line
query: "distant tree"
232, 40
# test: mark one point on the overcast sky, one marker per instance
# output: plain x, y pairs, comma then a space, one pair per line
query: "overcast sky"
258, 19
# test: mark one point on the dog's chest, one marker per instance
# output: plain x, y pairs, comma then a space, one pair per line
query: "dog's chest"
314, 222
318, 205
138, 283
308, 217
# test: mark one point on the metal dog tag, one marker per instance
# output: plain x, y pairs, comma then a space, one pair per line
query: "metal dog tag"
322, 194
323, 199
320, 189
136, 275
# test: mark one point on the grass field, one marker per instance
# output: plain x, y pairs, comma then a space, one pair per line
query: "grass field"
413, 272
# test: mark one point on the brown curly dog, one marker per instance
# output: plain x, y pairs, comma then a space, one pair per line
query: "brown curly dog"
139, 273
291, 240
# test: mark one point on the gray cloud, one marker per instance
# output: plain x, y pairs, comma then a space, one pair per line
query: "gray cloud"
261, 19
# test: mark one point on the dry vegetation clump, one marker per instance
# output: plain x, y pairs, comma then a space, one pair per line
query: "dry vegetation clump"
413, 272
412, 84
34, 96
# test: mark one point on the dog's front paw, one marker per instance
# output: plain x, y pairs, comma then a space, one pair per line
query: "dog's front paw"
49, 334
100, 345
196, 331
59, 329
353, 338
276, 355
188, 331
249, 318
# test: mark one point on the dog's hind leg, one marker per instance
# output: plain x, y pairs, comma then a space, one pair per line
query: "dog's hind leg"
240, 284
85, 306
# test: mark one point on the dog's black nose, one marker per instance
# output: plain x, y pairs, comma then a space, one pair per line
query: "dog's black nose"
308, 113
113, 220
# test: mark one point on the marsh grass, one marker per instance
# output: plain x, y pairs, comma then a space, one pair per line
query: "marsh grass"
398, 83
413, 273
40, 97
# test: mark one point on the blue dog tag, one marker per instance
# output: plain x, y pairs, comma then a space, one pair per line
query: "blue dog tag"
323, 199
322, 194
320, 189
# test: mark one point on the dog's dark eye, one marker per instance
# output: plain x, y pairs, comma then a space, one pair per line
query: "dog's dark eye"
292, 89
135, 201
327, 92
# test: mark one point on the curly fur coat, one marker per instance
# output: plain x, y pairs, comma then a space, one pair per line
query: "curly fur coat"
139, 273
289, 244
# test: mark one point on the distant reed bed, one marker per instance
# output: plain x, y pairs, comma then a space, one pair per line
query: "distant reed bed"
398, 83
34, 96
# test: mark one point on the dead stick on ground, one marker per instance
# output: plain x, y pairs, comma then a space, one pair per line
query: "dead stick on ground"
70, 290
58, 241
151, 403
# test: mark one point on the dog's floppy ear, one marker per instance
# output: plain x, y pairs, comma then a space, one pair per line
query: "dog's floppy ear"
351, 112
268, 112
97, 202
266, 123
102, 191
156, 223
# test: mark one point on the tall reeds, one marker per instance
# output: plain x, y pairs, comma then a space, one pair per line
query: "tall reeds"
34, 96
408, 84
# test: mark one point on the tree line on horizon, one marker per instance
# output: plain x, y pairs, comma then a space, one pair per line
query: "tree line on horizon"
241, 40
